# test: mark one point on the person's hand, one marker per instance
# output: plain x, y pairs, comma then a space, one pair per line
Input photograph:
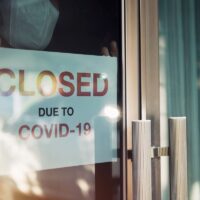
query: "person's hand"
112, 51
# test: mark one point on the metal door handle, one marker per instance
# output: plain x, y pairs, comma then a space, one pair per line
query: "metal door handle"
141, 130
178, 158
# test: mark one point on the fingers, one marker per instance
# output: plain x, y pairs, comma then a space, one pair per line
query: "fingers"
113, 50
105, 51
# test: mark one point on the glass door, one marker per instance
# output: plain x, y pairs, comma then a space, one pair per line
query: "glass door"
62, 99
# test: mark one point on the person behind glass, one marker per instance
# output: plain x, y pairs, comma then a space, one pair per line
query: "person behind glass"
31, 24
27, 24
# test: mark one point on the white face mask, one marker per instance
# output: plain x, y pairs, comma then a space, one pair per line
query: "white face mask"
28, 24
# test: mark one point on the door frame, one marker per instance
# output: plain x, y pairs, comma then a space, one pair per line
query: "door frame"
142, 79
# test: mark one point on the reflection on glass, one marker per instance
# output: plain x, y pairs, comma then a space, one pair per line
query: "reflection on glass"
111, 112
22, 167
179, 58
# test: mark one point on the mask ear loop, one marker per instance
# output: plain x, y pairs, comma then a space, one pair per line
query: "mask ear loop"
52, 8
46, 25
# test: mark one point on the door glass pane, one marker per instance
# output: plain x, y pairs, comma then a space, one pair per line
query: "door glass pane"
179, 70
60, 99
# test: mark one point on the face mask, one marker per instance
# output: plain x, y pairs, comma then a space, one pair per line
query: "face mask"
27, 24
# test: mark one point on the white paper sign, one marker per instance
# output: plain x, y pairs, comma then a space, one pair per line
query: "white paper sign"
56, 109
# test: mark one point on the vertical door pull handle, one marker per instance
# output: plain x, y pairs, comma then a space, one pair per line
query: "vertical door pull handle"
141, 131
178, 158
